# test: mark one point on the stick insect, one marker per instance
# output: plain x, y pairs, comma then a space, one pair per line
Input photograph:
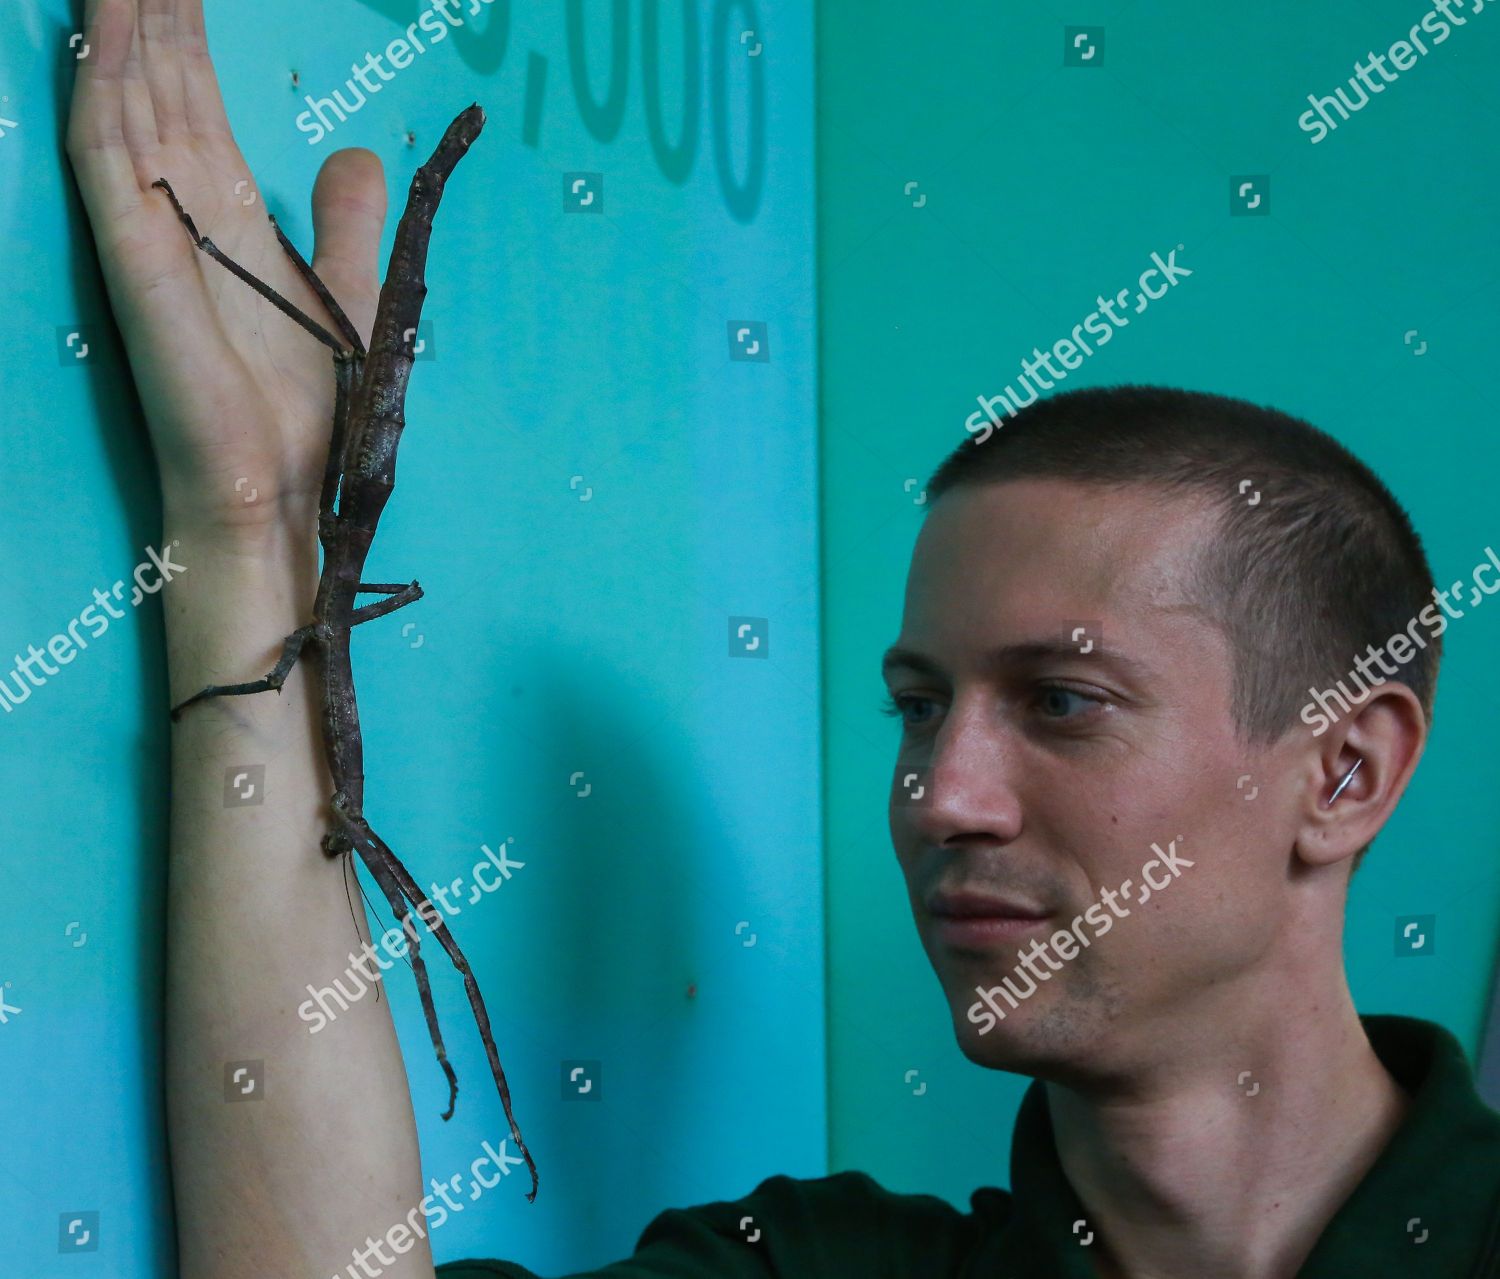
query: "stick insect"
357, 481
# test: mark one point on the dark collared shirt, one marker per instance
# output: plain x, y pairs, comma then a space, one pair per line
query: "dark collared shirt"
1429, 1208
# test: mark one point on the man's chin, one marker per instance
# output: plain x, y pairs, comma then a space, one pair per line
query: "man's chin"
1042, 1036
1015, 1044
1055, 1036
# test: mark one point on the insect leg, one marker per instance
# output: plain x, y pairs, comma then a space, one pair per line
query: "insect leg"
290, 649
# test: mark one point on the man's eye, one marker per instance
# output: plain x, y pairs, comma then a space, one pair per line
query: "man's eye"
900, 704
1056, 698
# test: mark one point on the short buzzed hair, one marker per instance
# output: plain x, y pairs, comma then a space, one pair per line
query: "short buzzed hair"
1324, 563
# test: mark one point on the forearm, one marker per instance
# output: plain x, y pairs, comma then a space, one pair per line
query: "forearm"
322, 1154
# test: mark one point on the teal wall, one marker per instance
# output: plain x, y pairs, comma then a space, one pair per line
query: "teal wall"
557, 635
1040, 186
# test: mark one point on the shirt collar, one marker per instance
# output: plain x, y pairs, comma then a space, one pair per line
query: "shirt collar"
1430, 1205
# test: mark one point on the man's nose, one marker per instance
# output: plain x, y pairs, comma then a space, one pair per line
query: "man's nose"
962, 780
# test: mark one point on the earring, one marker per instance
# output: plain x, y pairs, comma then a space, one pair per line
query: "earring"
1337, 790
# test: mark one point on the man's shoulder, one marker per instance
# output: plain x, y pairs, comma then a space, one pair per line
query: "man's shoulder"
839, 1224
853, 1198
859, 1191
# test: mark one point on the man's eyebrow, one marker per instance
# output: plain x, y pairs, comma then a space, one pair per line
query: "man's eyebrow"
1010, 656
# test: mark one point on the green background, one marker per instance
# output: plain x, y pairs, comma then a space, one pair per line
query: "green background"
1046, 185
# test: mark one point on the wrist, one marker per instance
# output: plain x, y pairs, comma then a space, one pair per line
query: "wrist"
234, 593
271, 555
268, 522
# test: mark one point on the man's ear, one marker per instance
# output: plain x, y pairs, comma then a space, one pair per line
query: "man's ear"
1367, 760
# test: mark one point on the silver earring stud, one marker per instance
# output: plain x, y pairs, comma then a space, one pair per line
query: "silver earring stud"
1338, 790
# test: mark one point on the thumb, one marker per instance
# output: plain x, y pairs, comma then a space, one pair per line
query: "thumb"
349, 206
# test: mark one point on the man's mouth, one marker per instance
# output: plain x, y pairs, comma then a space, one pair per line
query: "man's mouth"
972, 919
978, 932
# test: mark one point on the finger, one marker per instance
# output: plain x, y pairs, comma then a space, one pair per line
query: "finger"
96, 142
349, 207
202, 100
162, 67
138, 121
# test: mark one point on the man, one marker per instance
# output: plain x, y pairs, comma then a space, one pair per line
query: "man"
1128, 851
1106, 647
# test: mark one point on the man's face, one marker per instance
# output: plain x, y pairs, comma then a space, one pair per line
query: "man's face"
1049, 773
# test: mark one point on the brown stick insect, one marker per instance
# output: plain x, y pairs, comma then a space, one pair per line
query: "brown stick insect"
357, 481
